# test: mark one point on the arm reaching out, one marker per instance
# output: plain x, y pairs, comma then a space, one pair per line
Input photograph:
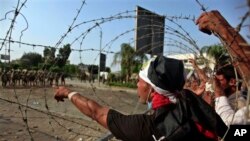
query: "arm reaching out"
88, 107
214, 22
201, 74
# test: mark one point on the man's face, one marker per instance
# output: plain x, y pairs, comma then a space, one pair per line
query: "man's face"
143, 89
223, 82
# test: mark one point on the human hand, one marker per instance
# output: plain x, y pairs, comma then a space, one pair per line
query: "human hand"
200, 89
218, 90
213, 21
61, 92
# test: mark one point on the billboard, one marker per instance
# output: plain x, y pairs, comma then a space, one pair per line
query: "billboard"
102, 62
5, 57
149, 36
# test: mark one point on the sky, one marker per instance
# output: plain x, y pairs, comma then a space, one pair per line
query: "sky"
48, 20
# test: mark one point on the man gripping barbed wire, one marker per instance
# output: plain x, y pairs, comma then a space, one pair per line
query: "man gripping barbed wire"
178, 114
225, 82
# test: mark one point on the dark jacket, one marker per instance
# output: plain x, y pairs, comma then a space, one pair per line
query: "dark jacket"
179, 121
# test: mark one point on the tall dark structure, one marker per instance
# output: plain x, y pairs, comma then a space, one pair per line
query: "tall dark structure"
102, 62
149, 32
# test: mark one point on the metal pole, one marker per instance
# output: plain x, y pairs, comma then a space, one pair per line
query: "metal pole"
99, 65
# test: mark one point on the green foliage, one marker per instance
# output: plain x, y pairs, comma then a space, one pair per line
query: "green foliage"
93, 69
49, 55
15, 66
63, 55
5, 66
41, 66
107, 69
51, 60
31, 59
70, 69
217, 52
44, 66
130, 62
137, 66
111, 77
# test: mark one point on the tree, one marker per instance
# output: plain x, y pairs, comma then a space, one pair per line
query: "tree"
31, 59
49, 55
93, 69
15, 66
63, 55
70, 69
129, 60
107, 69
218, 53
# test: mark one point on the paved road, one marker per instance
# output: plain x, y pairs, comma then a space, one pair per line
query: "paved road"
43, 127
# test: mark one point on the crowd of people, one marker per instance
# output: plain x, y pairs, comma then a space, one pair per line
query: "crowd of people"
180, 112
222, 92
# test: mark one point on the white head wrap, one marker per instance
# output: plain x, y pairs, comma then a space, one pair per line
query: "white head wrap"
144, 75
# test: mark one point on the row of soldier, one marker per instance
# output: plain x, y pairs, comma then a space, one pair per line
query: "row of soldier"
31, 78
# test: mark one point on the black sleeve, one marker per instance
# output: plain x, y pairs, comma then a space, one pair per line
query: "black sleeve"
130, 127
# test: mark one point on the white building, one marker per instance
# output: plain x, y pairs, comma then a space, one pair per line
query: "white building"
188, 65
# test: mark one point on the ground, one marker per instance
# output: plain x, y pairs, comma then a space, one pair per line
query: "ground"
27, 113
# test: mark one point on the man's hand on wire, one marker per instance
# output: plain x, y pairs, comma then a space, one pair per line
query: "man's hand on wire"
218, 91
200, 89
61, 92
213, 21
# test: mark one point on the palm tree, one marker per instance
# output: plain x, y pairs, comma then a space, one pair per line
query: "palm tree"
218, 53
129, 60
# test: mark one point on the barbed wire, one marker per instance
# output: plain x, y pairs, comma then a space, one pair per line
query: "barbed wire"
187, 44
17, 12
26, 21
84, 34
234, 59
243, 19
72, 24
25, 119
178, 34
50, 114
46, 46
